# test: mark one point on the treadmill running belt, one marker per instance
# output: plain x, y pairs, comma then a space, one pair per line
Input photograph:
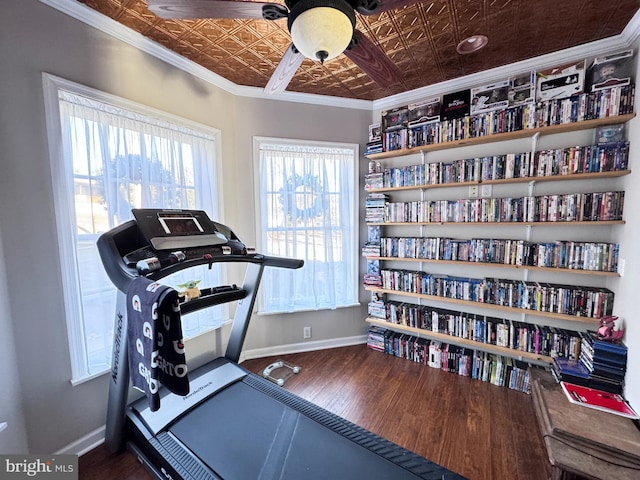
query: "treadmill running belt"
243, 433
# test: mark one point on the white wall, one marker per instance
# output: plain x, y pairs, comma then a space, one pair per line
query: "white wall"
278, 119
13, 439
627, 287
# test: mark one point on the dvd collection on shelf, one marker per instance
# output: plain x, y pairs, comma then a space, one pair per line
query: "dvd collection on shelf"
601, 364
375, 207
562, 95
372, 278
570, 207
484, 366
374, 181
536, 339
605, 361
553, 96
371, 247
543, 163
586, 106
564, 254
573, 300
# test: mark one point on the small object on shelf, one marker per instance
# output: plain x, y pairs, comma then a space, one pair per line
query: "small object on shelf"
610, 135
598, 400
427, 111
375, 132
613, 70
607, 330
490, 97
279, 372
394, 119
561, 81
191, 290
456, 105
522, 89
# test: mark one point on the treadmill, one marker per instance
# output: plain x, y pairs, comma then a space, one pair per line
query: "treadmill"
233, 424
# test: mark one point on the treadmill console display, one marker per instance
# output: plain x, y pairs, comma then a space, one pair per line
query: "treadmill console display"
179, 229
180, 224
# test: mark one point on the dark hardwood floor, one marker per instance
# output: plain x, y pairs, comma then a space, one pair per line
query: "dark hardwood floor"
478, 430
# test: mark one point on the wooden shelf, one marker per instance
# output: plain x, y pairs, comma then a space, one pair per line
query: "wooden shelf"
491, 306
502, 224
501, 137
423, 187
550, 178
487, 347
555, 178
499, 265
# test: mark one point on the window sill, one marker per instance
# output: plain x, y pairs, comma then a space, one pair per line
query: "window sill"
266, 314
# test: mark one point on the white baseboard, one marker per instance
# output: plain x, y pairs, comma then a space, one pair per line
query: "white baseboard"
96, 438
85, 444
302, 347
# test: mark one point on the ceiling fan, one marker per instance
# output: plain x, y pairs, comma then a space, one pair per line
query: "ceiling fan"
320, 30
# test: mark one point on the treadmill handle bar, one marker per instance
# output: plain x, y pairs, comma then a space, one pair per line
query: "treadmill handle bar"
244, 309
282, 262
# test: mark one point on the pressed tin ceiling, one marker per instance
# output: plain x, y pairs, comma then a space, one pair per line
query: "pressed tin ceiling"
420, 39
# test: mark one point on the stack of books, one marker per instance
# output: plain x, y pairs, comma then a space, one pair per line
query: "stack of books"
375, 207
569, 370
376, 307
373, 181
376, 338
373, 147
373, 278
605, 362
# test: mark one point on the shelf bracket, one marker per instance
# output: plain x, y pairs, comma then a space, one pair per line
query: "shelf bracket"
528, 237
534, 142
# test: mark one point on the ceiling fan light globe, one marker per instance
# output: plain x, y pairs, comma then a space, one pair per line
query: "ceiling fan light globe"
321, 29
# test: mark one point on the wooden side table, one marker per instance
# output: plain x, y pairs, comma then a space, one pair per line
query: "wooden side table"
583, 441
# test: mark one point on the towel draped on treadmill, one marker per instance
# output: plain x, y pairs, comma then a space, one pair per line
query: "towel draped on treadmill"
156, 348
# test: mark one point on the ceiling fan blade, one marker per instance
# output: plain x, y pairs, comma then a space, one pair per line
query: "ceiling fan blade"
207, 8
374, 7
284, 72
373, 61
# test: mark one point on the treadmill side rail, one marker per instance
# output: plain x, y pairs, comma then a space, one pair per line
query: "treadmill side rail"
114, 438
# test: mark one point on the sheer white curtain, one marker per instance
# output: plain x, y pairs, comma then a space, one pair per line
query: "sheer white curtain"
114, 157
307, 205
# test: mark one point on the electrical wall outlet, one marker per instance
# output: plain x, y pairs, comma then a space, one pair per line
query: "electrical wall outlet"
306, 332
473, 191
486, 191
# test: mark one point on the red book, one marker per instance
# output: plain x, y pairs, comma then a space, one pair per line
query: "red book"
598, 399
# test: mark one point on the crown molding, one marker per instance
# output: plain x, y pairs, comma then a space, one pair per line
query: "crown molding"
587, 51
95, 19
85, 14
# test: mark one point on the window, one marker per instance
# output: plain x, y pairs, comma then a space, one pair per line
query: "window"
108, 156
307, 209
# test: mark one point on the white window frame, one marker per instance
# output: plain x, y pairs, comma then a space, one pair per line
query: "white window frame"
354, 244
64, 206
